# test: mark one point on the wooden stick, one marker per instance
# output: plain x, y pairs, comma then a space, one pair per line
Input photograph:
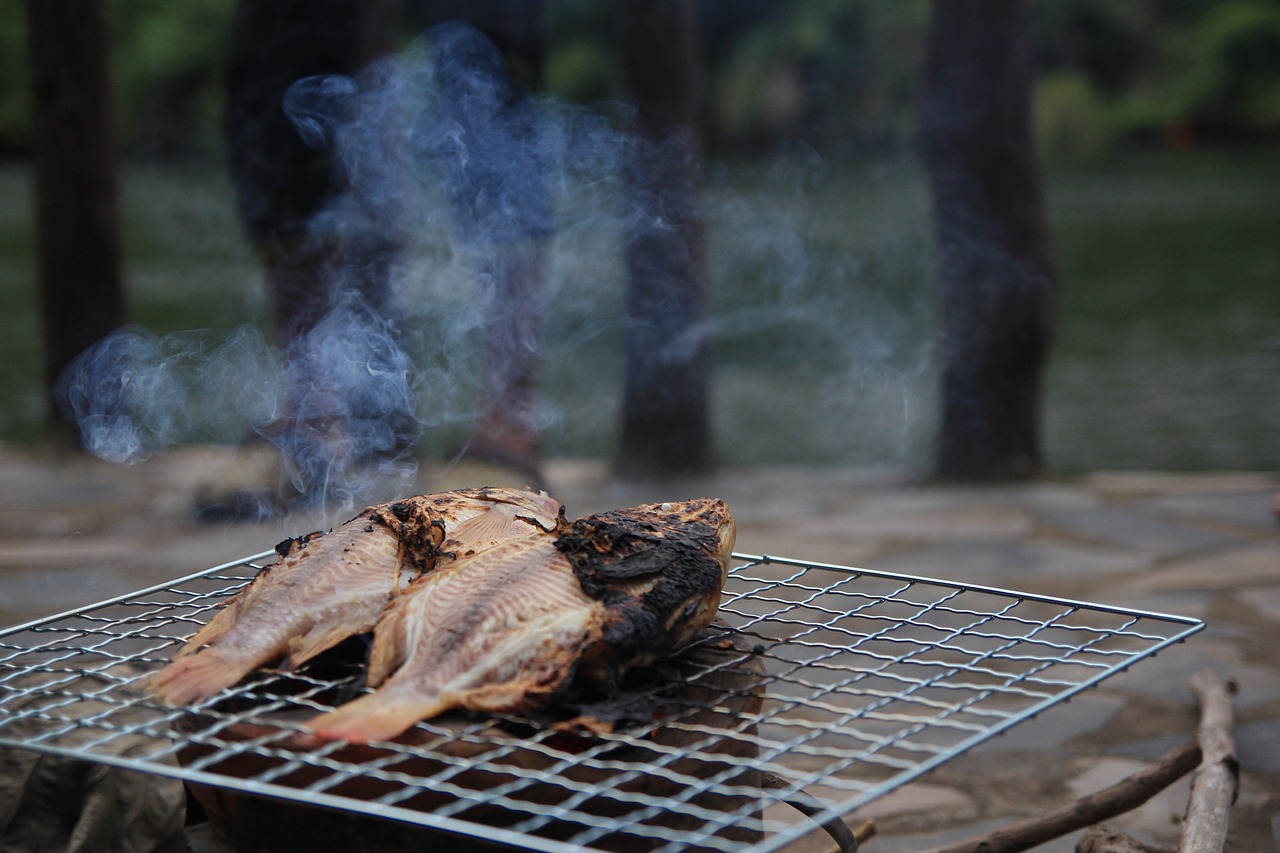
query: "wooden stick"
1217, 781
846, 840
1127, 794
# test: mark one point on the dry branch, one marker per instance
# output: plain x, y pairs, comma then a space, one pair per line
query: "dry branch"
1125, 795
1217, 781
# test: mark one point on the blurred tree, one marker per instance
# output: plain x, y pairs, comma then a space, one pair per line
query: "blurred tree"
76, 182
665, 409
997, 280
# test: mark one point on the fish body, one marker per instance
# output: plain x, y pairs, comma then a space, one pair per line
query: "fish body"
503, 630
498, 631
327, 588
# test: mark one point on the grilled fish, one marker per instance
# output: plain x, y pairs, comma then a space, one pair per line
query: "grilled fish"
505, 629
330, 587
491, 632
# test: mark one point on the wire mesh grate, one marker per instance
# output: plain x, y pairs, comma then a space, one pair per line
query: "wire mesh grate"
817, 678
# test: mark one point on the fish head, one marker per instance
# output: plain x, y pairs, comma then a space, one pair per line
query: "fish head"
678, 518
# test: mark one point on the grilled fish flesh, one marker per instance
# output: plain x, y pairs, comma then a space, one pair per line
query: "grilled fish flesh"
504, 630
327, 588
487, 633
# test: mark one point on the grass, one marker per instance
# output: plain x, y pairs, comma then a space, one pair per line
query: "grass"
1167, 355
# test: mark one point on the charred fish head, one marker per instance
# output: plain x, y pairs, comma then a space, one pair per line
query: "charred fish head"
658, 569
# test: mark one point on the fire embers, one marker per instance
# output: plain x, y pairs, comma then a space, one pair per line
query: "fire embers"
507, 606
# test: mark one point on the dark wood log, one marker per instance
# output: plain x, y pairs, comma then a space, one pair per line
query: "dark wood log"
1125, 795
82, 295
1217, 781
998, 289
665, 411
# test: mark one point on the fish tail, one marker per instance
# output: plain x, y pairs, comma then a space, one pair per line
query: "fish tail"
377, 716
196, 677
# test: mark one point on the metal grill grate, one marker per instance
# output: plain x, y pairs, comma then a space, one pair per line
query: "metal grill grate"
842, 682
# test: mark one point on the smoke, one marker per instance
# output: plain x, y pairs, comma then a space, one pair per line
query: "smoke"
134, 393
446, 168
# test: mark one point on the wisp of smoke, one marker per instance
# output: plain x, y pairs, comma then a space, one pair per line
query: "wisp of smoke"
444, 164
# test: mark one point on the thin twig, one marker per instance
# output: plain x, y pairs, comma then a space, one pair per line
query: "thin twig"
1217, 781
846, 840
1125, 795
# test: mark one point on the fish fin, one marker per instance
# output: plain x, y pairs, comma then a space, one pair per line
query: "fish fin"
377, 716
495, 524
320, 638
389, 646
222, 622
197, 677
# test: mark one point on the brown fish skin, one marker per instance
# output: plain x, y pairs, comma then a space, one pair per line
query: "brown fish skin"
330, 587
499, 631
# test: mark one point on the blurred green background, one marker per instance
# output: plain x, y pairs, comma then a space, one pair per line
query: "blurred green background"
1158, 123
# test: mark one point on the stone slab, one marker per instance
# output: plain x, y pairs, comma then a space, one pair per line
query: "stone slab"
1232, 568
1128, 528
1243, 508
1017, 564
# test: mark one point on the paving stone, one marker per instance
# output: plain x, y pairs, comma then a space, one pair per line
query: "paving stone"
1137, 530
1150, 749
1058, 724
1167, 675
1191, 603
1265, 601
955, 522
1013, 564
1258, 745
915, 842
1255, 565
1245, 508
1136, 484
1153, 821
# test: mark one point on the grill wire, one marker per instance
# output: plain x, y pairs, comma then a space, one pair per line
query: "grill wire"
840, 682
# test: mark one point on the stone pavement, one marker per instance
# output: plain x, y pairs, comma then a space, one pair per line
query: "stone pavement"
74, 531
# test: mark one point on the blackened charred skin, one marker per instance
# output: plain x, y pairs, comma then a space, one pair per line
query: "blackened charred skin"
420, 532
293, 544
649, 579
618, 546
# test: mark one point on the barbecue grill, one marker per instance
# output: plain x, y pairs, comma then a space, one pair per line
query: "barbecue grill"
818, 679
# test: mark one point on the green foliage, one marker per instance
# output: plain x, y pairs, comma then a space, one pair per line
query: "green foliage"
1233, 79
14, 85
1073, 120
584, 71
169, 60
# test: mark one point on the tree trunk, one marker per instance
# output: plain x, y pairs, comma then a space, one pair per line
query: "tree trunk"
998, 289
665, 420
76, 184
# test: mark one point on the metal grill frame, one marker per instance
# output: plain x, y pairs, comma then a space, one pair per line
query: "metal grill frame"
872, 679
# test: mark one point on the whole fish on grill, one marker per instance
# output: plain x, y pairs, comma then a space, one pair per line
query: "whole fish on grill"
505, 629
328, 587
